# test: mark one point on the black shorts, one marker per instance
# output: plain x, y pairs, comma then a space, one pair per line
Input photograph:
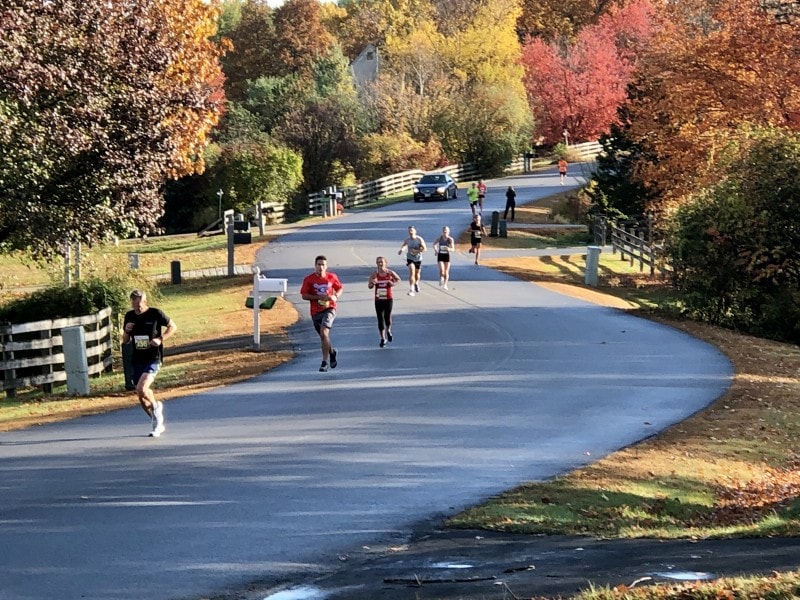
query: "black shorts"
417, 263
476, 241
443, 257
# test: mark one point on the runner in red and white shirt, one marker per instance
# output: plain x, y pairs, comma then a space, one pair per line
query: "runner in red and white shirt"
322, 289
481, 195
382, 280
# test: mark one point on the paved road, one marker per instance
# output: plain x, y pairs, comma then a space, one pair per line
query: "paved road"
489, 384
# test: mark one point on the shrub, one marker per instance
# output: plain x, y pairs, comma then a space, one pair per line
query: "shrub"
58, 302
736, 246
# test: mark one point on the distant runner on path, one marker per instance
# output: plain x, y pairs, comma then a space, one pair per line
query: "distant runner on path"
443, 246
562, 170
413, 246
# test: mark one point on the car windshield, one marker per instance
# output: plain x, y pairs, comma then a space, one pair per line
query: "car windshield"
432, 179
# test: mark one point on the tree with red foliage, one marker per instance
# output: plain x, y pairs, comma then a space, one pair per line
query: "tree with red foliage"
579, 87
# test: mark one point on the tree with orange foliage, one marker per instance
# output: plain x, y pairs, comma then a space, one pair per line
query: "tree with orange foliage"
300, 37
100, 103
709, 72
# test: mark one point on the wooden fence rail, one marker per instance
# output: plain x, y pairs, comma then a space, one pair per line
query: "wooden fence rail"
33, 355
261, 215
319, 203
633, 244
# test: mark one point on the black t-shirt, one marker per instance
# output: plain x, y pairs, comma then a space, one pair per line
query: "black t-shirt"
475, 232
146, 326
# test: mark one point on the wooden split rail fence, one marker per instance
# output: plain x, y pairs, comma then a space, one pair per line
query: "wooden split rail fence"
319, 203
33, 354
633, 244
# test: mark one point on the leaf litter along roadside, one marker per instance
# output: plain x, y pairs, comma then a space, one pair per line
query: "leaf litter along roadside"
729, 471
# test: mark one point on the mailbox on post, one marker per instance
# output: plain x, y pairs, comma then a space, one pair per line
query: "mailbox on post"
276, 286
266, 288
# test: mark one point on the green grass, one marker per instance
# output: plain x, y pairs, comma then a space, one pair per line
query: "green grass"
155, 257
663, 509
540, 238
784, 586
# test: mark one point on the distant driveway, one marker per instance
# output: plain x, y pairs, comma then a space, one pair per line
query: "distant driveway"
487, 385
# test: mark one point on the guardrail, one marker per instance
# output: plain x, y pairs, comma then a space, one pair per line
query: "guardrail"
33, 355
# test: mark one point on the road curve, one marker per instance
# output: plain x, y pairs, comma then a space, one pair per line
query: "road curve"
489, 384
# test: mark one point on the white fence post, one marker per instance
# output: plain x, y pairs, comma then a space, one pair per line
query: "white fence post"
75, 363
592, 263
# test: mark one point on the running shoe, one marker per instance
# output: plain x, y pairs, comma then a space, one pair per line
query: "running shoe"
416, 287
389, 336
411, 293
444, 287
158, 420
333, 358
441, 281
383, 343
323, 367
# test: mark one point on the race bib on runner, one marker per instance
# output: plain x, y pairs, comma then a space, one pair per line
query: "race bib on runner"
141, 342
381, 293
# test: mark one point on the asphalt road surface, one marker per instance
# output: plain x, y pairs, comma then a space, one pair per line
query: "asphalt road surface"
489, 384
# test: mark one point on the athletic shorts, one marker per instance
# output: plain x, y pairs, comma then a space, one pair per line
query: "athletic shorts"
324, 319
140, 369
417, 263
443, 257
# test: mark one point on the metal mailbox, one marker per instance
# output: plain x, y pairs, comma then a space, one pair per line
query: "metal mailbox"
272, 285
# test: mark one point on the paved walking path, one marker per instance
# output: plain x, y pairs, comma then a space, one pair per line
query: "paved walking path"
277, 479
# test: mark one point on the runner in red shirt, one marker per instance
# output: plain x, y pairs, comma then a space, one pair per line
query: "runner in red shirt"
562, 170
382, 280
481, 194
322, 289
